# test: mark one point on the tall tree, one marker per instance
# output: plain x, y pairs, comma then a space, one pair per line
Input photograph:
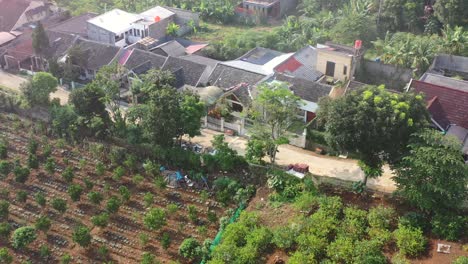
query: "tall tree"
374, 123
274, 113
192, 110
37, 91
40, 41
452, 12
433, 176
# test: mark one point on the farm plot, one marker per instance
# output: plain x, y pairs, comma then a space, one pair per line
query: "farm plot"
71, 188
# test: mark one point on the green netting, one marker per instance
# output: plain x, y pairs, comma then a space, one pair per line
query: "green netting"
219, 236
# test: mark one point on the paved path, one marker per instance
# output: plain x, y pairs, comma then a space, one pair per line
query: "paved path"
344, 169
14, 82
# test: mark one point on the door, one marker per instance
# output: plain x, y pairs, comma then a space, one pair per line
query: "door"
330, 70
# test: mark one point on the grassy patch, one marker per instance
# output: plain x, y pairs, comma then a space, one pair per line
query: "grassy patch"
211, 32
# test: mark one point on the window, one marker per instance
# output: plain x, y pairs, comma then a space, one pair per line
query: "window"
138, 32
345, 70
330, 70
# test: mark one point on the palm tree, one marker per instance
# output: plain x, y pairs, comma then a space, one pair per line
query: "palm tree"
455, 40
172, 29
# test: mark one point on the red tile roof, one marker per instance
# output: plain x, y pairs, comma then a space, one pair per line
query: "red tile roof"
445, 102
291, 65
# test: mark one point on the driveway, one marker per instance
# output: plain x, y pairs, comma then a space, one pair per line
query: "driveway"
343, 169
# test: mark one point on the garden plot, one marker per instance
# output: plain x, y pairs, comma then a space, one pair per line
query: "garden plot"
125, 237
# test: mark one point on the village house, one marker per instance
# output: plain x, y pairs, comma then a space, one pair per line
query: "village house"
446, 96
266, 8
121, 28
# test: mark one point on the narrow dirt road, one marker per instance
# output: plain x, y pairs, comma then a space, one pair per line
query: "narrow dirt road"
343, 169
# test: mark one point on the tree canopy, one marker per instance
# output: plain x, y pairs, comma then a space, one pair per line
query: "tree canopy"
433, 176
39, 88
374, 123
23, 236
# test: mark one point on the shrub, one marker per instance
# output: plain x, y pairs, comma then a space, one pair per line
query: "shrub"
44, 251
23, 236
47, 151
172, 208
40, 199
381, 237
311, 243
461, 260
124, 193
3, 150
82, 236
284, 237
21, 174
410, 240
5, 230
75, 191
5, 257
225, 188
131, 162
100, 168
32, 146
144, 239
211, 216
322, 225
302, 257
5, 167
341, 250
33, 163
193, 213
354, 223
155, 219
165, 241
113, 205
4, 209
190, 249
381, 217
100, 220
368, 252
88, 183
21, 196
449, 226
95, 197
148, 199
331, 206
50, 165
43, 224
413, 219
66, 259
137, 179
103, 251
148, 258
59, 205
118, 173
67, 174
159, 182
400, 259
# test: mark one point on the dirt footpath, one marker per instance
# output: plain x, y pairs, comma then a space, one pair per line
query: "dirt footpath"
343, 169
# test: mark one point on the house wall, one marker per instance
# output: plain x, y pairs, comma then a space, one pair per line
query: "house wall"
99, 34
340, 60
182, 18
287, 6
393, 77
157, 30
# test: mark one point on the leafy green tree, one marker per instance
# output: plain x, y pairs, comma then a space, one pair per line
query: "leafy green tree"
59, 205
155, 219
5, 168
452, 12
434, 176
95, 197
23, 236
40, 41
461, 260
40, 199
82, 236
190, 249
113, 205
192, 110
37, 90
118, 173
165, 241
100, 168
101, 220
193, 213
75, 191
274, 113
375, 124
5, 256
43, 224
